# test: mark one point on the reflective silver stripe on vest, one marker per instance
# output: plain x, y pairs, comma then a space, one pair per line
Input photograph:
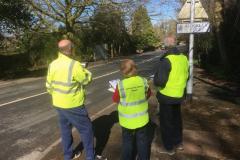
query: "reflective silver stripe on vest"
70, 70
64, 91
69, 78
145, 84
66, 84
123, 95
121, 90
133, 115
63, 83
133, 103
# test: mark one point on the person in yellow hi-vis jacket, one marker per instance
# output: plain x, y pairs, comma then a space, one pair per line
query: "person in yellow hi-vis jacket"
66, 79
131, 94
171, 79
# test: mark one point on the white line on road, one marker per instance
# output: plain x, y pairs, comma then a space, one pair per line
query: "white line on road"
106, 75
93, 117
98, 65
21, 99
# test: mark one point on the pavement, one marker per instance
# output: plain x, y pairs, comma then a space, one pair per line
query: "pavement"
29, 129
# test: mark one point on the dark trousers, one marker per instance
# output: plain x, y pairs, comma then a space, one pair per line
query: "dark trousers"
135, 140
77, 117
170, 125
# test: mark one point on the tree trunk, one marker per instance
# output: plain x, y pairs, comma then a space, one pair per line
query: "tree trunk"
119, 50
112, 51
222, 50
69, 29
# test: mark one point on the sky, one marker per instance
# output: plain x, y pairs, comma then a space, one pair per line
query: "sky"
161, 10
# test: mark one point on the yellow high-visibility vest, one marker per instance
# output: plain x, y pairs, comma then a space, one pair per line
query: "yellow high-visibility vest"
178, 76
133, 105
65, 82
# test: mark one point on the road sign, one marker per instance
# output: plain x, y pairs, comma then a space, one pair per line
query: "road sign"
196, 27
192, 19
199, 14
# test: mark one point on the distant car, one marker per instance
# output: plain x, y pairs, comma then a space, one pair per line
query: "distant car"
163, 47
182, 43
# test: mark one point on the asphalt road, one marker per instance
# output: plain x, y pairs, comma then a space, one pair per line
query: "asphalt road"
28, 122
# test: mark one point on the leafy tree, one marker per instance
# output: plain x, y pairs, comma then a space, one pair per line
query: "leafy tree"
75, 19
109, 28
14, 14
67, 12
70, 13
142, 29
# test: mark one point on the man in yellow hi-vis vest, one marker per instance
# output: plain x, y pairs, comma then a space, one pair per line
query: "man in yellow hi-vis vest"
171, 78
66, 79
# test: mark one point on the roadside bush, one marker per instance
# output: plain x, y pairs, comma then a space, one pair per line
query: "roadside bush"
41, 48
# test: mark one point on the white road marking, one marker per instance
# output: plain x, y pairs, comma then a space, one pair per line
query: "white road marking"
21, 99
32, 155
106, 74
93, 117
98, 65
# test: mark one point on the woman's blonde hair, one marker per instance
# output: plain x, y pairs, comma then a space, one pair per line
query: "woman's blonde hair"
128, 68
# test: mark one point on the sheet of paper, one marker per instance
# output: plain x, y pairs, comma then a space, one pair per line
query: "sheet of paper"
111, 90
113, 85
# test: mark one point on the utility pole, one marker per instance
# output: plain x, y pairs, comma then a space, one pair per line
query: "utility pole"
191, 49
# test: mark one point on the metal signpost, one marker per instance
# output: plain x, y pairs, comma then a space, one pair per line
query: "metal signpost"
192, 27
191, 45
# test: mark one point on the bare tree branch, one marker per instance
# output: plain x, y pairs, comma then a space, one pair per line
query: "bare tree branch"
38, 7
51, 7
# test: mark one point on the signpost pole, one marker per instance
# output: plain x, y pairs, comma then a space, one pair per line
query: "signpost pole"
191, 49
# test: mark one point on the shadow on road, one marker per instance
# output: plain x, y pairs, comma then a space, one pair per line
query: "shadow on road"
102, 129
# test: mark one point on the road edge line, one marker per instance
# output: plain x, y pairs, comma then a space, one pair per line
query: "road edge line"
21, 99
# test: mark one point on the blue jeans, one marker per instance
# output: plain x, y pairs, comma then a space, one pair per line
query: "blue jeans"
135, 140
77, 117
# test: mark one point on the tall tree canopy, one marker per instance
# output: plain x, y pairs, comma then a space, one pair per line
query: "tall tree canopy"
67, 12
109, 27
142, 29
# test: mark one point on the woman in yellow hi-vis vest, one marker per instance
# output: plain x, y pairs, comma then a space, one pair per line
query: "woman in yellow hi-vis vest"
131, 95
